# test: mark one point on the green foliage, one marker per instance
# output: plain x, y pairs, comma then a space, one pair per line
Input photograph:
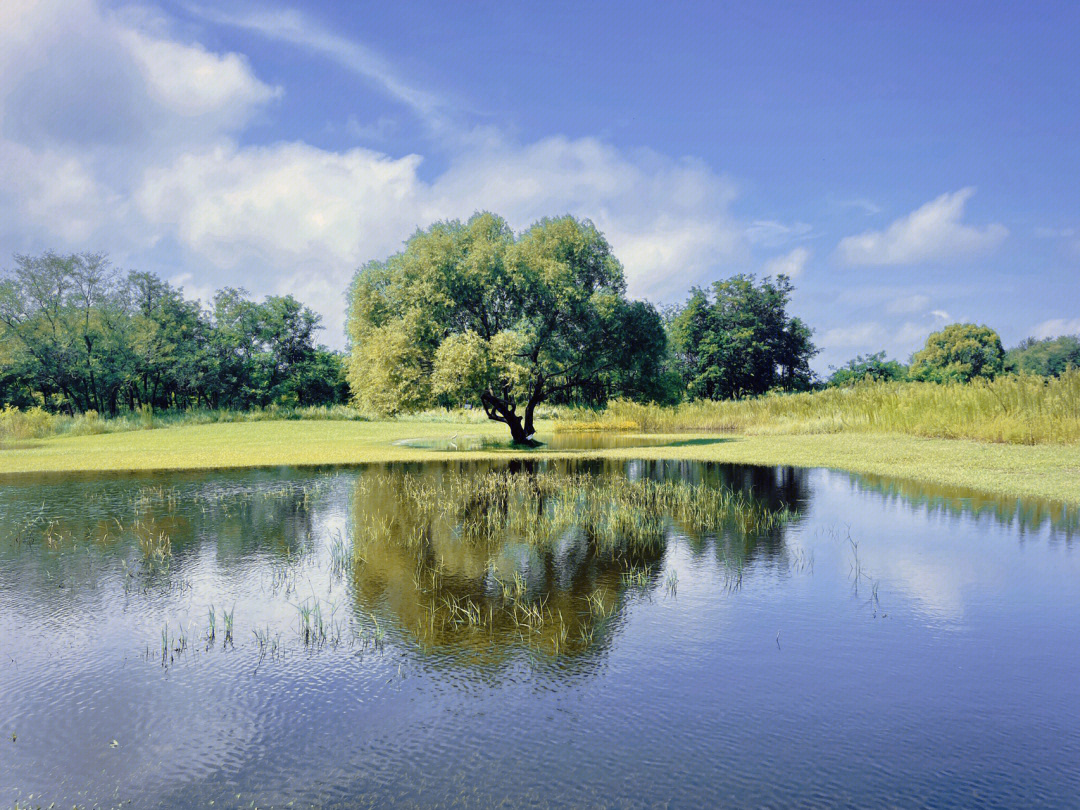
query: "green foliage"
469, 314
740, 341
1051, 357
77, 336
959, 353
870, 367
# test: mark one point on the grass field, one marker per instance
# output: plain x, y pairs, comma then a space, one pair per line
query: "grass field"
1041, 471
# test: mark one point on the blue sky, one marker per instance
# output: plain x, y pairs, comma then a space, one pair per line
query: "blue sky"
909, 164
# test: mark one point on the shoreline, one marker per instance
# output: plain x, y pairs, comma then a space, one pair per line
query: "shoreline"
1050, 472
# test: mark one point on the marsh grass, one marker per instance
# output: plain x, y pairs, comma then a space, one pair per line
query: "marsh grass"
612, 510
1010, 409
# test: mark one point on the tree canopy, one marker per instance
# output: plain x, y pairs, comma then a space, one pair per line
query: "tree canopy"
76, 335
1051, 357
873, 367
469, 313
736, 339
959, 353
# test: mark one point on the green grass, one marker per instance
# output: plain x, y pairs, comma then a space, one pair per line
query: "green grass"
1042, 471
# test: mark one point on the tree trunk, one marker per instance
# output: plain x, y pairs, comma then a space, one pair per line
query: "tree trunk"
536, 398
517, 432
501, 410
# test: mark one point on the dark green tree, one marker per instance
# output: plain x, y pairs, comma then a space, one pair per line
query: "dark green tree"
737, 339
75, 335
873, 367
1051, 357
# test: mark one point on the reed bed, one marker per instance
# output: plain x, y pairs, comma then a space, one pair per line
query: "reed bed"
1010, 409
611, 510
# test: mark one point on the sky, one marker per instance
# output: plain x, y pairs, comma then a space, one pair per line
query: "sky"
908, 164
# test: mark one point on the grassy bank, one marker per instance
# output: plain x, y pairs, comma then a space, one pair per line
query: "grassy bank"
1008, 410
1046, 471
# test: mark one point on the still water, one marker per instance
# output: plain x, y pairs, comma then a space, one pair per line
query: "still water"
561, 634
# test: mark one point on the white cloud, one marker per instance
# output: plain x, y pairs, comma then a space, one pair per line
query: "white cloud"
909, 304
769, 233
293, 27
1057, 326
861, 335
932, 232
790, 264
87, 101
667, 220
303, 218
116, 135
283, 203
192, 82
53, 192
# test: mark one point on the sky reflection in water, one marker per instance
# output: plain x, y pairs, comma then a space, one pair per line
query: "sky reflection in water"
885, 642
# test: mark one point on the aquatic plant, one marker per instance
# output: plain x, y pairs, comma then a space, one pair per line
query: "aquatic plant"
228, 616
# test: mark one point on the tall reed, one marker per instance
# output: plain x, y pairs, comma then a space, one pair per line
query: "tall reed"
1011, 409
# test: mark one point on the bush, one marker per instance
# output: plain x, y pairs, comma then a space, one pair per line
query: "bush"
32, 423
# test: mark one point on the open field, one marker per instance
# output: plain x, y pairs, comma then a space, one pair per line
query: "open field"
1042, 471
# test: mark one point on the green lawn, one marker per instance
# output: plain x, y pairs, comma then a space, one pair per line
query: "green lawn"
1042, 471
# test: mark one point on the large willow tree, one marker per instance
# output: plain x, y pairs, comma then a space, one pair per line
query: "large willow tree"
469, 313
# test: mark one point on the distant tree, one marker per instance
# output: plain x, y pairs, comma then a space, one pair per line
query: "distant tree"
55, 310
1051, 357
467, 313
872, 367
959, 353
737, 340
16, 384
75, 335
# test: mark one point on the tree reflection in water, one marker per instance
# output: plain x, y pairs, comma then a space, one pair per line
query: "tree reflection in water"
482, 560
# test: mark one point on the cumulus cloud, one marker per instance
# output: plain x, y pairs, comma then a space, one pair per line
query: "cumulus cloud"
305, 217
932, 232
128, 141
1057, 326
192, 82
790, 264
87, 102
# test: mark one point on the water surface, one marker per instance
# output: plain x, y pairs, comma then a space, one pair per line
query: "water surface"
470, 635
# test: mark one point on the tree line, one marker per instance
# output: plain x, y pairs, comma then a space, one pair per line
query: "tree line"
77, 335
962, 352
466, 314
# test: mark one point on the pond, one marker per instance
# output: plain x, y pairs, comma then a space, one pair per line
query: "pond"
535, 634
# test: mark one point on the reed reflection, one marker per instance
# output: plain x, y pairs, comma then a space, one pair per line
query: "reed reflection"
487, 559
